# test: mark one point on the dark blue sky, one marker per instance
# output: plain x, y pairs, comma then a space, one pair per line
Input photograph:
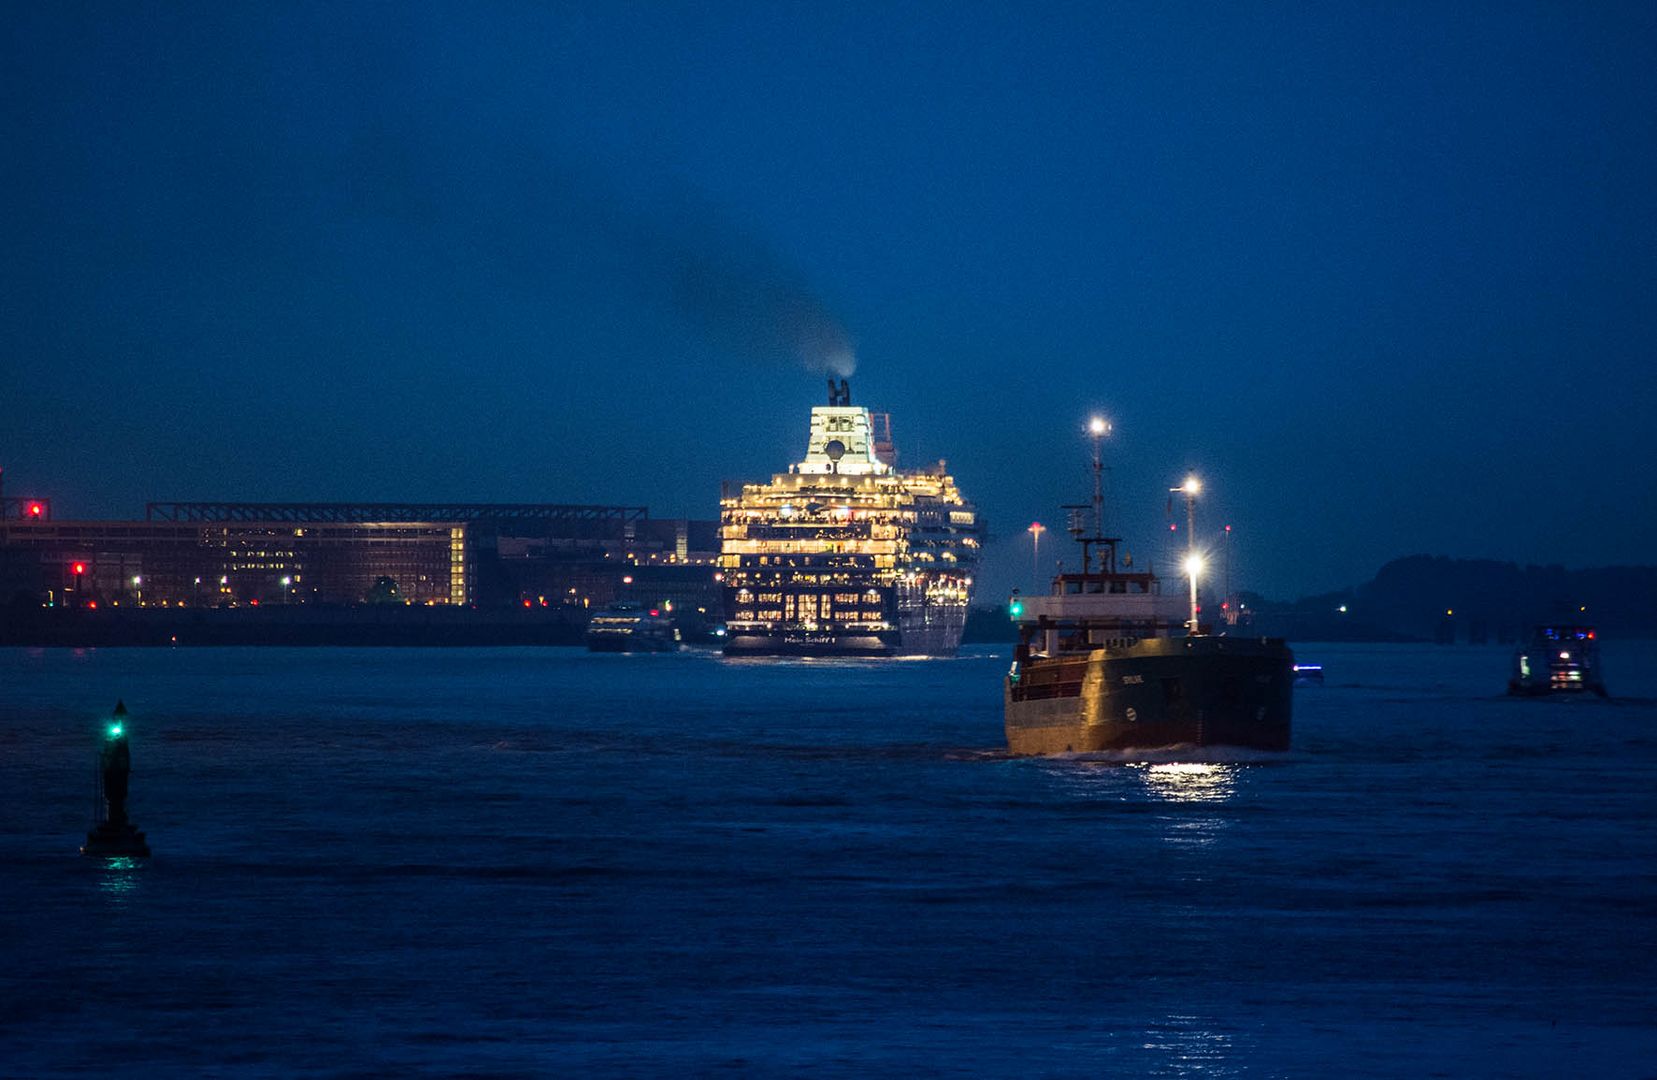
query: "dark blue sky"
1383, 274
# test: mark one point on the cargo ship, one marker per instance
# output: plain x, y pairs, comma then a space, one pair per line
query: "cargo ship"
846, 554
1109, 661
1557, 660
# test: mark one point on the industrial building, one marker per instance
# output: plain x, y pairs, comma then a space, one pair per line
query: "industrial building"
474, 555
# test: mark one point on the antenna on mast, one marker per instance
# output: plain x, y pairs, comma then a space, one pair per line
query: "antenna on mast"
1098, 428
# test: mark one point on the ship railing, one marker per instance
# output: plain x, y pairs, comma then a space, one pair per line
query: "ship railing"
1103, 607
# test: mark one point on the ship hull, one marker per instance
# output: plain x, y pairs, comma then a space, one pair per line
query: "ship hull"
616, 643
812, 643
922, 630
1548, 684
1159, 692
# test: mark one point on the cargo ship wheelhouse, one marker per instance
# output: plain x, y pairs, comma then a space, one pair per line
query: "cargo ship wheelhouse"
845, 554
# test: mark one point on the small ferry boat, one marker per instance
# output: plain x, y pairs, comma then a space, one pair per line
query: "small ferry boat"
1109, 661
1308, 674
1557, 660
631, 627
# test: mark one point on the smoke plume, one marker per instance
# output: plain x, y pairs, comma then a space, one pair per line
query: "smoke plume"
539, 215
745, 296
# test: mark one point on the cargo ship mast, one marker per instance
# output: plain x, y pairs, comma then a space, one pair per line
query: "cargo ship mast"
1097, 428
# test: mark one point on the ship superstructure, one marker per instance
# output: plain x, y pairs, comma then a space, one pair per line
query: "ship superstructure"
845, 554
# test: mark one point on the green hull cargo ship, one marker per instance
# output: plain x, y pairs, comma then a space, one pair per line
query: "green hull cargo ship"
1099, 665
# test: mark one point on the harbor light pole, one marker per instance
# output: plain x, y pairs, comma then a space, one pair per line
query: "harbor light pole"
1193, 559
1035, 530
1230, 603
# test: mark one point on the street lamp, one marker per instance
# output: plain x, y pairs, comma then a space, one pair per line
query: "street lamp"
138, 587
286, 581
1193, 567
1035, 530
1193, 561
1227, 603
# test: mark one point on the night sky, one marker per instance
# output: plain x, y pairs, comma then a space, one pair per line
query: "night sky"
1382, 274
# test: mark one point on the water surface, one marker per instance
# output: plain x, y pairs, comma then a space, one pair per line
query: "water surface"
521, 862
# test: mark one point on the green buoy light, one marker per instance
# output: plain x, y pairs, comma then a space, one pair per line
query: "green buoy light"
112, 833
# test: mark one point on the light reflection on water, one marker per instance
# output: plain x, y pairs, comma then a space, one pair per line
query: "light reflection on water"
1190, 781
118, 880
1189, 1046
1194, 784
1166, 781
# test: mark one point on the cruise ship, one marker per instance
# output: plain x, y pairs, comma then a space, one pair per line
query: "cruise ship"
845, 554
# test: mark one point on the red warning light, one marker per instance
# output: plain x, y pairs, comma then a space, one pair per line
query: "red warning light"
35, 509
93, 604
654, 612
1172, 527
79, 568
526, 603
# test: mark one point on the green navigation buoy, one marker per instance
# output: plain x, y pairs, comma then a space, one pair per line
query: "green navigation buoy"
112, 833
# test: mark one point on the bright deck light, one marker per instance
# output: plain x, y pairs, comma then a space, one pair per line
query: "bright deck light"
1098, 426
1191, 486
1193, 564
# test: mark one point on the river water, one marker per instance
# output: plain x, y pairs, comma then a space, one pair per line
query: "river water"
523, 862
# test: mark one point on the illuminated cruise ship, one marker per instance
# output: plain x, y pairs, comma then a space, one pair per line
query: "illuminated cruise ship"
845, 554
